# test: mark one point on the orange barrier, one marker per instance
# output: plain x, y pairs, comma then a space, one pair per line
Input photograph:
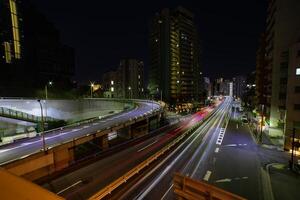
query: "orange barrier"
190, 189
15, 187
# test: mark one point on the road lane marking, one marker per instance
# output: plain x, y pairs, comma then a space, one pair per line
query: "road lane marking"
74, 184
217, 150
223, 180
231, 145
147, 146
167, 192
207, 175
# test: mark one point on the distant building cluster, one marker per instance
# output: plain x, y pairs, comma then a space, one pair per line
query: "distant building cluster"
278, 70
31, 53
234, 87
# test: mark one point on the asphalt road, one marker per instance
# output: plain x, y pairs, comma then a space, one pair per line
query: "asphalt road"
86, 181
29, 146
188, 158
225, 156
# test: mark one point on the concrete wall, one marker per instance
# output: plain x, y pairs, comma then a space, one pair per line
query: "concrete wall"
70, 110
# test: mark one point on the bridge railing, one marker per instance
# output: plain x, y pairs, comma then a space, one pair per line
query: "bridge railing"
15, 114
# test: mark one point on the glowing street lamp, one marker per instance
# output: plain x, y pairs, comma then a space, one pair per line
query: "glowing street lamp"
92, 87
130, 90
50, 83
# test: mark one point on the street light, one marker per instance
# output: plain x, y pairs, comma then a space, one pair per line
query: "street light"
130, 91
42, 126
46, 89
92, 86
50, 83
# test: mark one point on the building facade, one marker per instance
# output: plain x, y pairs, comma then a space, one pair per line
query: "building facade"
127, 81
31, 53
175, 57
239, 86
282, 39
11, 43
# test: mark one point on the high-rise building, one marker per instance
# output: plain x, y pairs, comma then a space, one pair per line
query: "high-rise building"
10, 31
132, 78
125, 82
282, 56
207, 86
175, 56
263, 77
239, 85
11, 43
31, 53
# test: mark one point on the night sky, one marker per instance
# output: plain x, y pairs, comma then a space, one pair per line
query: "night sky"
103, 32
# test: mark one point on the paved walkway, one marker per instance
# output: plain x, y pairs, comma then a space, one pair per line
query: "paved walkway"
284, 182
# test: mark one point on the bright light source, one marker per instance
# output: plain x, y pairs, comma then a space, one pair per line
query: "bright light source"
112, 89
129, 88
111, 82
298, 71
50, 82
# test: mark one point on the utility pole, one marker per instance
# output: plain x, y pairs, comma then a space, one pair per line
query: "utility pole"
42, 126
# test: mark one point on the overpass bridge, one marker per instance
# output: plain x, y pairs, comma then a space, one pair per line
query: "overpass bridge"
29, 160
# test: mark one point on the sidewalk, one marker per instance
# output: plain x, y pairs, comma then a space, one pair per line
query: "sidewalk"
283, 182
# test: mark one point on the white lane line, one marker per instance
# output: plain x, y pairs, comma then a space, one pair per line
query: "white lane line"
223, 180
231, 145
147, 146
63, 190
207, 175
167, 192
217, 150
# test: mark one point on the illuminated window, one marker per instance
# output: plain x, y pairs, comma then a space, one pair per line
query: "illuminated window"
7, 52
139, 76
298, 71
111, 82
15, 28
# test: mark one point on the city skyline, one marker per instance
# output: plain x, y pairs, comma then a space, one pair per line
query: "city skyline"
229, 44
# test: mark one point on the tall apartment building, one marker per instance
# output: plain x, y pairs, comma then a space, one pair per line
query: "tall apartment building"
239, 86
125, 82
175, 56
31, 53
11, 42
282, 57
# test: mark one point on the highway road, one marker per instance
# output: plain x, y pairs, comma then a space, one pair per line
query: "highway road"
189, 158
86, 181
29, 146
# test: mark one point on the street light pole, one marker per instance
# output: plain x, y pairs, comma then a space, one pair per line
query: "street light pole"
92, 86
42, 126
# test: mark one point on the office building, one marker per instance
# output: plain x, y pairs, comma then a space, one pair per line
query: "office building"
175, 57
282, 57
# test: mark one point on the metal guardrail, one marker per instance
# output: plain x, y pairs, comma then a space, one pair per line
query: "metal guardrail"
124, 178
190, 189
133, 120
15, 114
